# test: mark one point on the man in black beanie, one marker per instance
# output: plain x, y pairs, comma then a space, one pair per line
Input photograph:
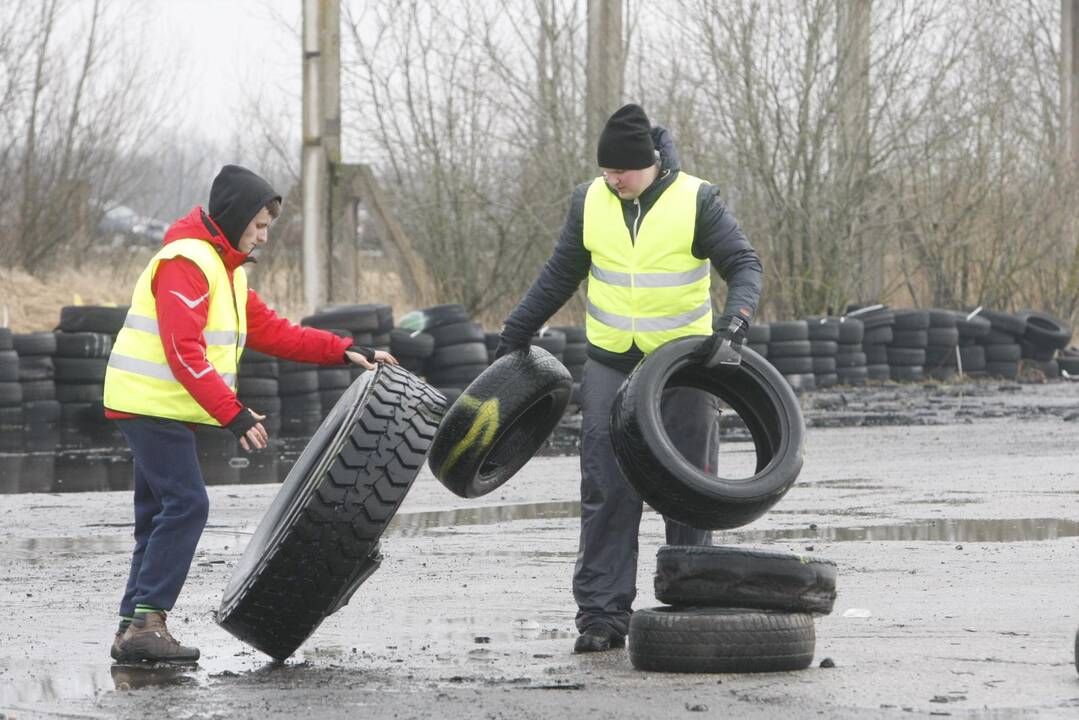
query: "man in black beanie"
646, 236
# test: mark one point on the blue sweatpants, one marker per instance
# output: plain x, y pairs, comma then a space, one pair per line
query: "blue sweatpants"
171, 507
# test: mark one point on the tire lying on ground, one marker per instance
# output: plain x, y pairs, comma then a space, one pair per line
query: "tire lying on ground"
319, 540
754, 390
709, 640
499, 422
715, 576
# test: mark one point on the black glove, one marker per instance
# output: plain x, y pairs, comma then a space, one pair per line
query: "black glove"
506, 345
368, 353
243, 422
731, 327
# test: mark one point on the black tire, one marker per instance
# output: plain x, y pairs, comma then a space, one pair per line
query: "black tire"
823, 328
1004, 322
851, 331
759, 334
789, 348
5, 339
459, 376
36, 367
1049, 369
328, 398
500, 421
761, 397
997, 337
417, 345
11, 416
575, 354
1036, 352
850, 360
826, 380
81, 370
853, 375
456, 333
876, 354
354, 318
80, 392
942, 336
739, 577
715, 640
41, 412
1007, 370
265, 370
823, 348
37, 343
898, 356
473, 353
83, 345
910, 338
298, 383
81, 413
10, 394
974, 327
575, 334
878, 372
334, 378
942, 373
761, 350
553, 341
93, 319
1003, 353
907, 373
972, 357
1066, 364
789, 330
941, 318
320, 538
35, 390
911, 320
439, 315
9, 366
256, 386
793, 365
824, 365
940, 356
1044, 330
269, 405
878, 336
255, 357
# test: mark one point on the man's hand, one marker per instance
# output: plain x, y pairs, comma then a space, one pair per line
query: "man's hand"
248, 429
377, 356
506, 346
712, 351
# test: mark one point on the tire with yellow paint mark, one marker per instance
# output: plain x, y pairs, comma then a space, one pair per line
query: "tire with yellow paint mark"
500, 421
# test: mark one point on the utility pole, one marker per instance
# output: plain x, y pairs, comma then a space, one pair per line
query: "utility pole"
603, 67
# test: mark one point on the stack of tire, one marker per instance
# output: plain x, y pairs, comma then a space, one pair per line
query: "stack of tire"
37, 374
971, 329
301, 404
368, 324
10, 390
1067, 360
877, 324
1043, 337
823, 348
758, 337
942, 345
906, 352
574, 357
460, 350
850, 360
732, 609
1001, 344
789, 351
257, 387
81, 361
411, 348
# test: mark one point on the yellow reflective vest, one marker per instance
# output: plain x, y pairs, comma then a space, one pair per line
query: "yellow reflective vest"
139, 379
646, 288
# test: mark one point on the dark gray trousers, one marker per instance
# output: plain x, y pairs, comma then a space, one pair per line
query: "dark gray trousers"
605, 577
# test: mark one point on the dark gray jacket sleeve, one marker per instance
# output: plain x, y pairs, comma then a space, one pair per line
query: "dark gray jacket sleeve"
560, 278
718, 238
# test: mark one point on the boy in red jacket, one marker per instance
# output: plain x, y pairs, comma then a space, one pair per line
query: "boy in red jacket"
174, 364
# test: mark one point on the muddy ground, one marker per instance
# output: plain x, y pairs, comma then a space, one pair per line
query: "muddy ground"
950, 510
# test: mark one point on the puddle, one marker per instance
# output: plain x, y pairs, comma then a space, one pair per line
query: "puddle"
935, 530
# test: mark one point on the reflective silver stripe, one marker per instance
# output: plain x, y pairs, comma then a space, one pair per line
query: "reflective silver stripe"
219, 337
619, 322
651, 280
141, 322
673, 322
141, 367
657, 280
612, 277
154, 370
243, 339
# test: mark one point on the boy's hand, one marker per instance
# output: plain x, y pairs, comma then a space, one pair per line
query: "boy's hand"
249, 430
378, 356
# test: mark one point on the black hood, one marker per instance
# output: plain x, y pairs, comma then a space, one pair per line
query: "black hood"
236, 197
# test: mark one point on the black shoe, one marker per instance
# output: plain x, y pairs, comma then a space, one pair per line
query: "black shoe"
598, 638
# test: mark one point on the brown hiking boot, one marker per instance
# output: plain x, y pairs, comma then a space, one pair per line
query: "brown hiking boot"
115, 651
148, 640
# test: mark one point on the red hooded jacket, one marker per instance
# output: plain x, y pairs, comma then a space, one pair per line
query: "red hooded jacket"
179, 285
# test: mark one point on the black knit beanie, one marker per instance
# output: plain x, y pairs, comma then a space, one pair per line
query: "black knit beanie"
236, 197
626, 140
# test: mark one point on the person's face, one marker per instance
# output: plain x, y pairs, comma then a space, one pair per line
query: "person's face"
629, 184
256, 233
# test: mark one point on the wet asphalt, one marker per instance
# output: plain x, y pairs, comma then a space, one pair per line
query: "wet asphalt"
951, 512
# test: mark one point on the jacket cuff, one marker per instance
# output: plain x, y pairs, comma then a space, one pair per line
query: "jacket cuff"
368, 353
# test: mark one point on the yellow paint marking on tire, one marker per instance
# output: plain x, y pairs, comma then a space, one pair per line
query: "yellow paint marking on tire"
481, 433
